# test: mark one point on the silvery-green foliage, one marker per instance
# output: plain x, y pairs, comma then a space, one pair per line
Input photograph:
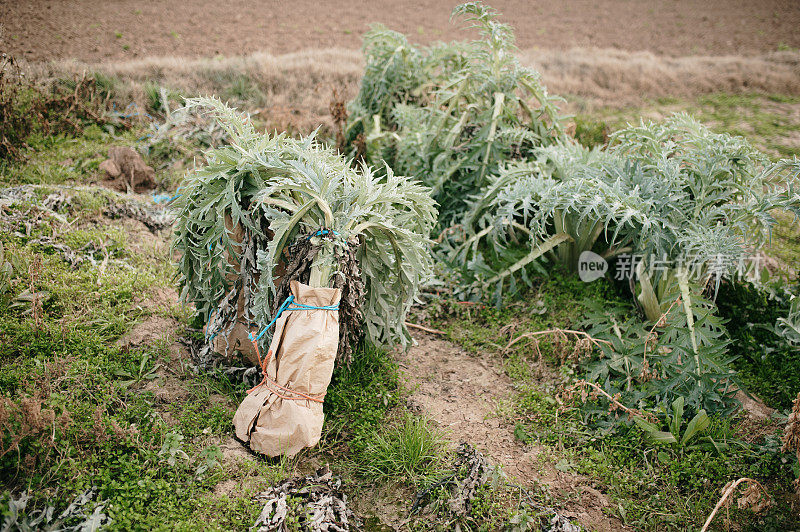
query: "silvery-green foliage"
509, 215
78, 516
788, 328
672, 190
280, 189
451, 114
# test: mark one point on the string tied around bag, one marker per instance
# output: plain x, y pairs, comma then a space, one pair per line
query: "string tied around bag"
288, 305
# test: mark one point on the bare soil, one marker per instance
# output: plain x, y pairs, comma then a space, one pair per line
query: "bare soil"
464, 395
96, 30
153, 329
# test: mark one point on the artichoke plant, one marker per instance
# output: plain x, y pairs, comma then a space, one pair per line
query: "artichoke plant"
259, 201
672, 193
451, 114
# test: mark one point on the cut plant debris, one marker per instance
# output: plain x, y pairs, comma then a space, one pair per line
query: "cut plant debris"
269, 209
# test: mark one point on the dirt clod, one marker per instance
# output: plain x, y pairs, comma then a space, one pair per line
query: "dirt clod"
127, 171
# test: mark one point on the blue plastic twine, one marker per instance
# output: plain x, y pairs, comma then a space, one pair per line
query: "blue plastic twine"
323, 232
210, 337
289, 305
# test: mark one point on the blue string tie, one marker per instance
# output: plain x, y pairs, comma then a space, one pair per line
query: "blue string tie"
323, 232
210, 337
166, 198
289, 305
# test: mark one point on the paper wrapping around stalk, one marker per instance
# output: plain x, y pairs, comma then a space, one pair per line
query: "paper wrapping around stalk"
303, 353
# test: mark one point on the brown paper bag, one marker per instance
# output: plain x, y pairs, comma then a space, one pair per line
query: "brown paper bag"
283, 414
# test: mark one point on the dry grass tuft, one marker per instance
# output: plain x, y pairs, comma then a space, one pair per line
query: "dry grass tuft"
620, 78
294, 91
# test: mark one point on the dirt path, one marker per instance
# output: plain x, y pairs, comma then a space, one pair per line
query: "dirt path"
96, 30
461, 393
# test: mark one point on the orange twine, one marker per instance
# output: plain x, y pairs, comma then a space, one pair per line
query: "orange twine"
266, 380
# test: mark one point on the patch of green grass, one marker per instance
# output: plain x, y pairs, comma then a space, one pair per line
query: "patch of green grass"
112, 238
767, 366
85, 265
785, 242
221, 513
155, 100
85, 413
106, 85
78, 428
359, 396
87, 297
88, 203
195, 418
242, 88
658, 487
589, 132
754, 117
409, 449
552, 302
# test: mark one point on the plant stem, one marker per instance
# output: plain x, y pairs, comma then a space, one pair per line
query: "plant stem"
321, 268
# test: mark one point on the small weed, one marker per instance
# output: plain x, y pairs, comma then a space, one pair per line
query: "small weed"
590, 133
144, 372
243, 89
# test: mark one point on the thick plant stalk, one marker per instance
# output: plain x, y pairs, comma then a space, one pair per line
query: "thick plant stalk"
647, 297
535, 253
499, 97
683, 282
322, 266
